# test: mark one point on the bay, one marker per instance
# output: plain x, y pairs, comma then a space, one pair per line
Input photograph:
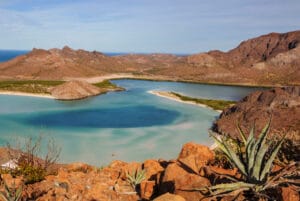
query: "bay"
132, 125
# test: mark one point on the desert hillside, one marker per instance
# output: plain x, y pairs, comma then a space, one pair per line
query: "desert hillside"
272, 59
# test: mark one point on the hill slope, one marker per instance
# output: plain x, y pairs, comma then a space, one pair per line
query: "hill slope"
272, 59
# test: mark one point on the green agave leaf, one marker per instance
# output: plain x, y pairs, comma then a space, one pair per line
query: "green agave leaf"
19, 193
235, 159
220, 144
255, 149
269, 163
242, 133
249, 147
231, 185
249, 157
259, 162
262, 137
3, 197
229, 152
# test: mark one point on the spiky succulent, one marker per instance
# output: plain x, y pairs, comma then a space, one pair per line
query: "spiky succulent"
253, 158
136, 177
11, 194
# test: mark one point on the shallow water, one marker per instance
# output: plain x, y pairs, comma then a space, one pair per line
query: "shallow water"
128, 125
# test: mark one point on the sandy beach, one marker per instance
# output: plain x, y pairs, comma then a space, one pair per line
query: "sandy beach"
101, 78
171, 96
26, 94
97, 79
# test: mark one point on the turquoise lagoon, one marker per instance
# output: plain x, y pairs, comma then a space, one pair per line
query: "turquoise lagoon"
132, 125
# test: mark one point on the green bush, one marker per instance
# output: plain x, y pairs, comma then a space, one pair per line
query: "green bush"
32, 174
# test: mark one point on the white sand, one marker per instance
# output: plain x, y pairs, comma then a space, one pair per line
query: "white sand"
100, 78
175, 98
26, 94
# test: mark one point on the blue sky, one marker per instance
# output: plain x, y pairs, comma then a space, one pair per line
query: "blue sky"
167, 26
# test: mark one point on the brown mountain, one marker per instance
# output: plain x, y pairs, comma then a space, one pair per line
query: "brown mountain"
272, 59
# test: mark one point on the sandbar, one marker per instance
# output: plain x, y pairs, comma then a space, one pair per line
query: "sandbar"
171, 96
15, 93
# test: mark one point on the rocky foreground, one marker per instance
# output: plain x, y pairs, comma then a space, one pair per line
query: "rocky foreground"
272, 59
175, 180
281, 105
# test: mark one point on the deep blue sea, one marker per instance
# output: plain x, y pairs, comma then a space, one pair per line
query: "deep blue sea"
128, 125
6, 55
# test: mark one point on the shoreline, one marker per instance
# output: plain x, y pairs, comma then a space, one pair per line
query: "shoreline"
155, 78
16, 93
170, 96
118, 76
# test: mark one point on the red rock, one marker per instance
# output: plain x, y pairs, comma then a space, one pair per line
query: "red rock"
218, 170
147, 189
153, 169
195, 156
179, 181
289, 194
169, 197
282, 104
11, 182
79, 167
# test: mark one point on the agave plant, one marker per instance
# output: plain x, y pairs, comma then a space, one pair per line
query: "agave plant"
11, 194
136, 177
254, 162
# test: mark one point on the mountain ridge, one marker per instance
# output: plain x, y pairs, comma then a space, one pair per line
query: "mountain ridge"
270, 59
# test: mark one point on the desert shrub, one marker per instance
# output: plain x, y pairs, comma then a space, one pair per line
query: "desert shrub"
31, 164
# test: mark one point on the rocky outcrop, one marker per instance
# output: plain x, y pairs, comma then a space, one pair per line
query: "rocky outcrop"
169, 197
282, 105
263, 48
164, 181
73, 90
195, 156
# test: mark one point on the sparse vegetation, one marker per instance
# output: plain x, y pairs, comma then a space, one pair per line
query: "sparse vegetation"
135, 178
31, 164
106, 84
215, 104
29, 86
254, 159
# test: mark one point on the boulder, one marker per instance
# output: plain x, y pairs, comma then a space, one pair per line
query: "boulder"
169, 197
195, 156
179, 180
147, 189
79, 167
153, 169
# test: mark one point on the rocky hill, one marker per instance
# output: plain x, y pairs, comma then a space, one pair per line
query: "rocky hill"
73, 90
272, 59
281, 105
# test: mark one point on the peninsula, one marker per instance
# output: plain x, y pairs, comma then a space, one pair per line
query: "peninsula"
217, 105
